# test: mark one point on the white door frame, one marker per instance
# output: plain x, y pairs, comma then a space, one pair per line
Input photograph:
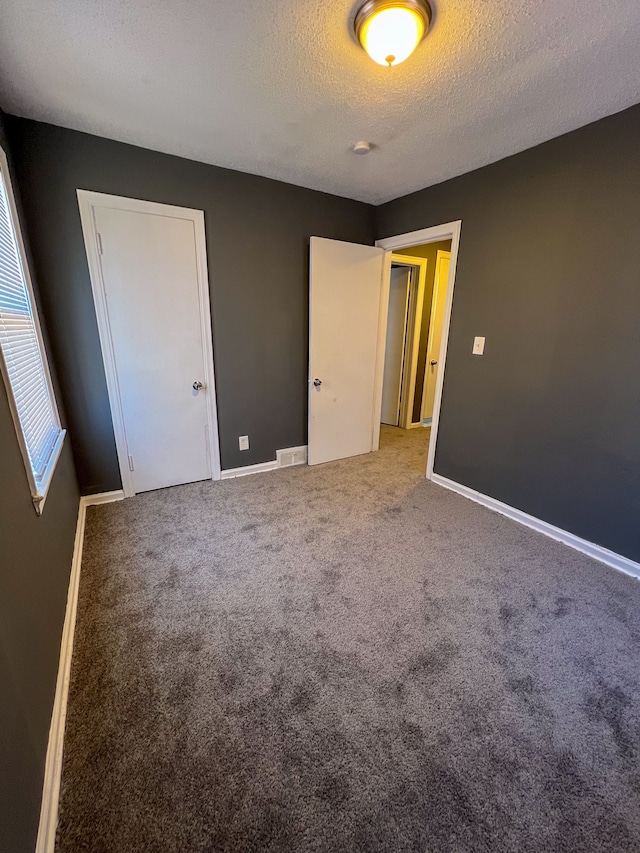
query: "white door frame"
409, 305
87, 201
414, 324
439, 255
447, 231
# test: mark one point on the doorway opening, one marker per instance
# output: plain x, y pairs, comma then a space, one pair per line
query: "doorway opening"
417, 296
417, 291
349, 305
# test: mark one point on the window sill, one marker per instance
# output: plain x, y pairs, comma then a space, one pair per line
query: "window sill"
39, 494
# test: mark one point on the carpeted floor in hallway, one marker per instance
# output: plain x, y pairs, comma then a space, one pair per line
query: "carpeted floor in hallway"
346, 658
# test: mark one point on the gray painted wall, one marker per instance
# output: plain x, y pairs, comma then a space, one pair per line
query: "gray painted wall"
35, 561
257, 241
548, 420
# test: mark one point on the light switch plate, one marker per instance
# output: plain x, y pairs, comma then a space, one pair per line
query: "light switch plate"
243, 441
478, 346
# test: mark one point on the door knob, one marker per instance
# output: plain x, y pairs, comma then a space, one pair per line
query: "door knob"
317, 382
197, 386
433, 362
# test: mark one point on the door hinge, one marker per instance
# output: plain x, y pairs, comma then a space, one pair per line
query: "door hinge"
130, 463
99, 241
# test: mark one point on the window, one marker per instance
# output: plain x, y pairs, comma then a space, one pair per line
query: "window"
22, 356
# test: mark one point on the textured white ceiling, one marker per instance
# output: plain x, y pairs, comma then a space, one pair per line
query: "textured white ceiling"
281, 89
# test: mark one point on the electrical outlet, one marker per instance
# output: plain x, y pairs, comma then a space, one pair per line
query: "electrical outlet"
243, 442
478, 346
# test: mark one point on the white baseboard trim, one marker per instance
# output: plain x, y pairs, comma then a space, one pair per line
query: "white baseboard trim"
597, 552
103, 498
53, 765
300, 454
230, 473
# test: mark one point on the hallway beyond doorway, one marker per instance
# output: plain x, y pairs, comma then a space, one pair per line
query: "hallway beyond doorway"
408, 447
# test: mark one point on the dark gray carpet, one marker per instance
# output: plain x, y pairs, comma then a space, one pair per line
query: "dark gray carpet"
347, 658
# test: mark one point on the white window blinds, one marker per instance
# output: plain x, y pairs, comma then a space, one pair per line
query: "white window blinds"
23, 360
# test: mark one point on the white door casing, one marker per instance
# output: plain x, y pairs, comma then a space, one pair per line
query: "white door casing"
394, 354
344, 319
438, 306
148, 272
414, 324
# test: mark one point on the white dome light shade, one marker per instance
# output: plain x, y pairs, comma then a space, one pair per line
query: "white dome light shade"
391, 31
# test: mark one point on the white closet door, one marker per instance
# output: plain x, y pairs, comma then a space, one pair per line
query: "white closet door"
149, 273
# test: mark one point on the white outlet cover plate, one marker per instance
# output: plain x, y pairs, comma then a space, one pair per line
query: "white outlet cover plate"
243, 442
478, 346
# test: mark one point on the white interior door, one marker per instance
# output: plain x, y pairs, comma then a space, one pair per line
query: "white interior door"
399, 285
344, 310
149, 271
438, 306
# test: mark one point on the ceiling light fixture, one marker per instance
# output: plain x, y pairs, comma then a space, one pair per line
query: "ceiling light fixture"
390, 30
